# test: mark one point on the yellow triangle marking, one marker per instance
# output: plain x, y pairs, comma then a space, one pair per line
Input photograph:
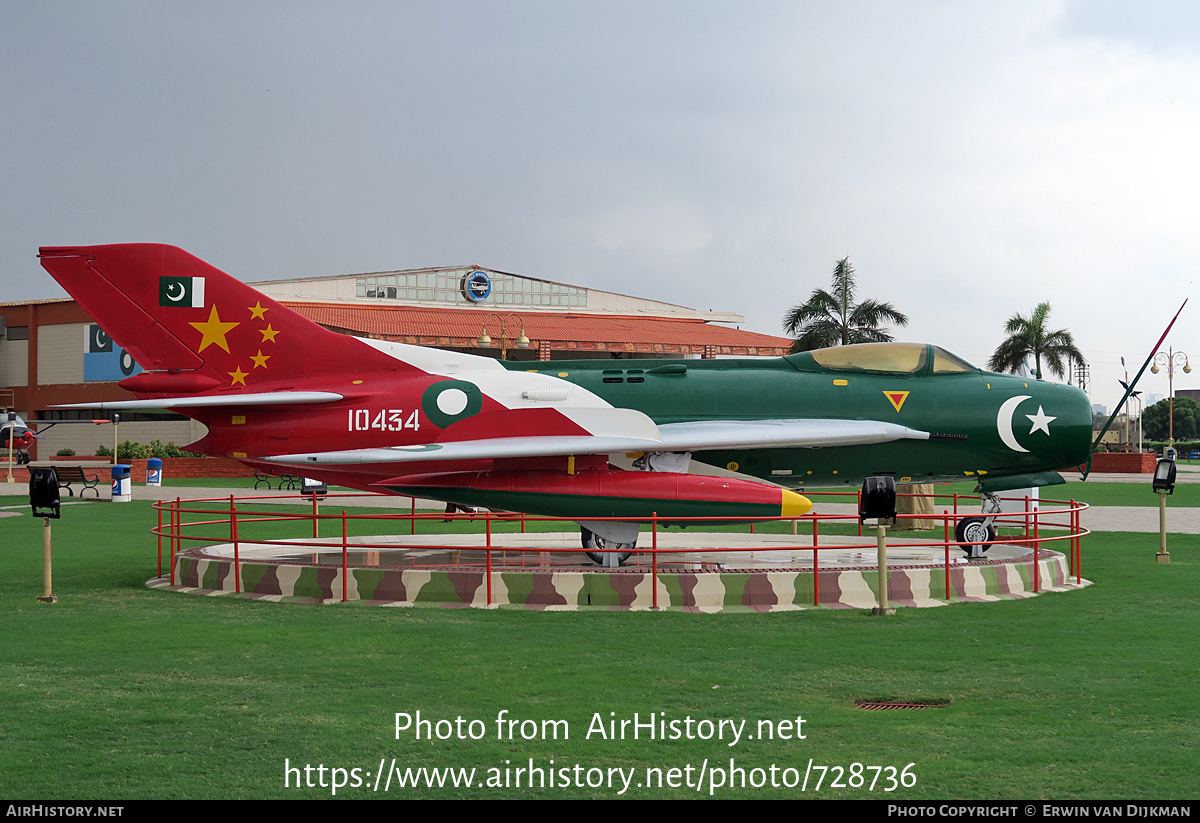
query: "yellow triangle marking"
896, 398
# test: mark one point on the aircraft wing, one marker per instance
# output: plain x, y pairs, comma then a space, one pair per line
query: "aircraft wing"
694, 437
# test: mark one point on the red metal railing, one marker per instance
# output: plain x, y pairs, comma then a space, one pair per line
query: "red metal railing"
1029, 520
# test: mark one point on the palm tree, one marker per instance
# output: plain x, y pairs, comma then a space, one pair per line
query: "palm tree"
832, 318
1028, 335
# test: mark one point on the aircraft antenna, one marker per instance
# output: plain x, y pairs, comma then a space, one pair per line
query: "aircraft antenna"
1129, 389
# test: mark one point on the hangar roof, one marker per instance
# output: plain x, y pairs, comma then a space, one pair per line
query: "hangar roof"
459, 328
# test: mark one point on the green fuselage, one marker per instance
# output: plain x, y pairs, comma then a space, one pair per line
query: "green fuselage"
976, 433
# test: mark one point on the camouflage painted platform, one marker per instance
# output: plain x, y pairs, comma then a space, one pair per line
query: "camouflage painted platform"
760, 590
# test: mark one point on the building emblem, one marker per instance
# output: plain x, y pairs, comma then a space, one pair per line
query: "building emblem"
477, 286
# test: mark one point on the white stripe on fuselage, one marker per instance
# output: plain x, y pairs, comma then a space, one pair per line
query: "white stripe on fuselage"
518, 390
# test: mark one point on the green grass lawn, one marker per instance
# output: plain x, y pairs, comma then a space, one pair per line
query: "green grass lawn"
121, 692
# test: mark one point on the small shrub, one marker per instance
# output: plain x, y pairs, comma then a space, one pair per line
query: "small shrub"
136, 451
65, 453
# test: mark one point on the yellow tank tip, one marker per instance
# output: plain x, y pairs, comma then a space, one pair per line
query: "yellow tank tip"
794, 505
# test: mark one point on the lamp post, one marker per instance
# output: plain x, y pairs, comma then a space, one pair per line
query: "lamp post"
1170, 359
1141, 408
485, 341
1125, 382
12, 433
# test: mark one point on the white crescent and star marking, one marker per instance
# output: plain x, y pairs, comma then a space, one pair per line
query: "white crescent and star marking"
1004, 419
171, 289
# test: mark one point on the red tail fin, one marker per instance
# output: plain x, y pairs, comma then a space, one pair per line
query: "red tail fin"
175, 313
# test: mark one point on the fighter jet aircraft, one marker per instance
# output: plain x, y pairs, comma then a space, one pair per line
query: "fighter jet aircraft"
280, 393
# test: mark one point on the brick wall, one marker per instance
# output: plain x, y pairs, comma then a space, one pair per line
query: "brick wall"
1124, 463
173, 467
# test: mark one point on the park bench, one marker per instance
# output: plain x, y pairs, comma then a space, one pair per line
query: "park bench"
75, 474
290, 481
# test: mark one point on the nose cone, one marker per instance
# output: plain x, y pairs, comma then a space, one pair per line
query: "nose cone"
1073, 445
794, 505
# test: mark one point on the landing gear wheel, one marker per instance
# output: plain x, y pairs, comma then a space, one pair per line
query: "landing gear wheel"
972, 533
22, 458
595, 541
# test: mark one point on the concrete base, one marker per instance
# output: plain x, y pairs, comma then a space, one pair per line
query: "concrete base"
548, 571
1163, 557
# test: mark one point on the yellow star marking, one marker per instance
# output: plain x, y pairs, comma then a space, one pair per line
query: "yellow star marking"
257, 311
260, 359
214, 330
268, 333
238, 376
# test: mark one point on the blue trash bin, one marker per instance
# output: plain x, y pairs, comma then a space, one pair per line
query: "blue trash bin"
122, 488
153, 472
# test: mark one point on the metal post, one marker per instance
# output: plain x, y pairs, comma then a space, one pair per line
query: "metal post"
315, 529
12, 428
48, 595
413, 519
237, 560
344, 553
176, 522
654, 558
946, 544
1079, 547
158, 508
1163, 555
488, 526
1071, 541
1037, 544
881, 543
816, 587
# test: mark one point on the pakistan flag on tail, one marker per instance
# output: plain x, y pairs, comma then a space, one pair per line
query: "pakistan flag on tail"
181, 291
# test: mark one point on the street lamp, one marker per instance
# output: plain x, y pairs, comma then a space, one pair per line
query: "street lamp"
1141, 409
485, 341
1125, 383
1169, 358
12, 433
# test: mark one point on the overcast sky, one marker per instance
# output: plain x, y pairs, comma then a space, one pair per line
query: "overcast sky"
972, 159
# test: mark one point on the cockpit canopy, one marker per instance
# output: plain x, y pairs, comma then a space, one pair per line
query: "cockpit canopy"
889, 358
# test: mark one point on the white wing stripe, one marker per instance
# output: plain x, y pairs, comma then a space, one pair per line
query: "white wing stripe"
695, 437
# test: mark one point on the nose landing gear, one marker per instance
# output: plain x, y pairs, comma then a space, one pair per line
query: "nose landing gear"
604, 552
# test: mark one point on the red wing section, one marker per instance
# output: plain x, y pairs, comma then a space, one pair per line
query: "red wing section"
175, 313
